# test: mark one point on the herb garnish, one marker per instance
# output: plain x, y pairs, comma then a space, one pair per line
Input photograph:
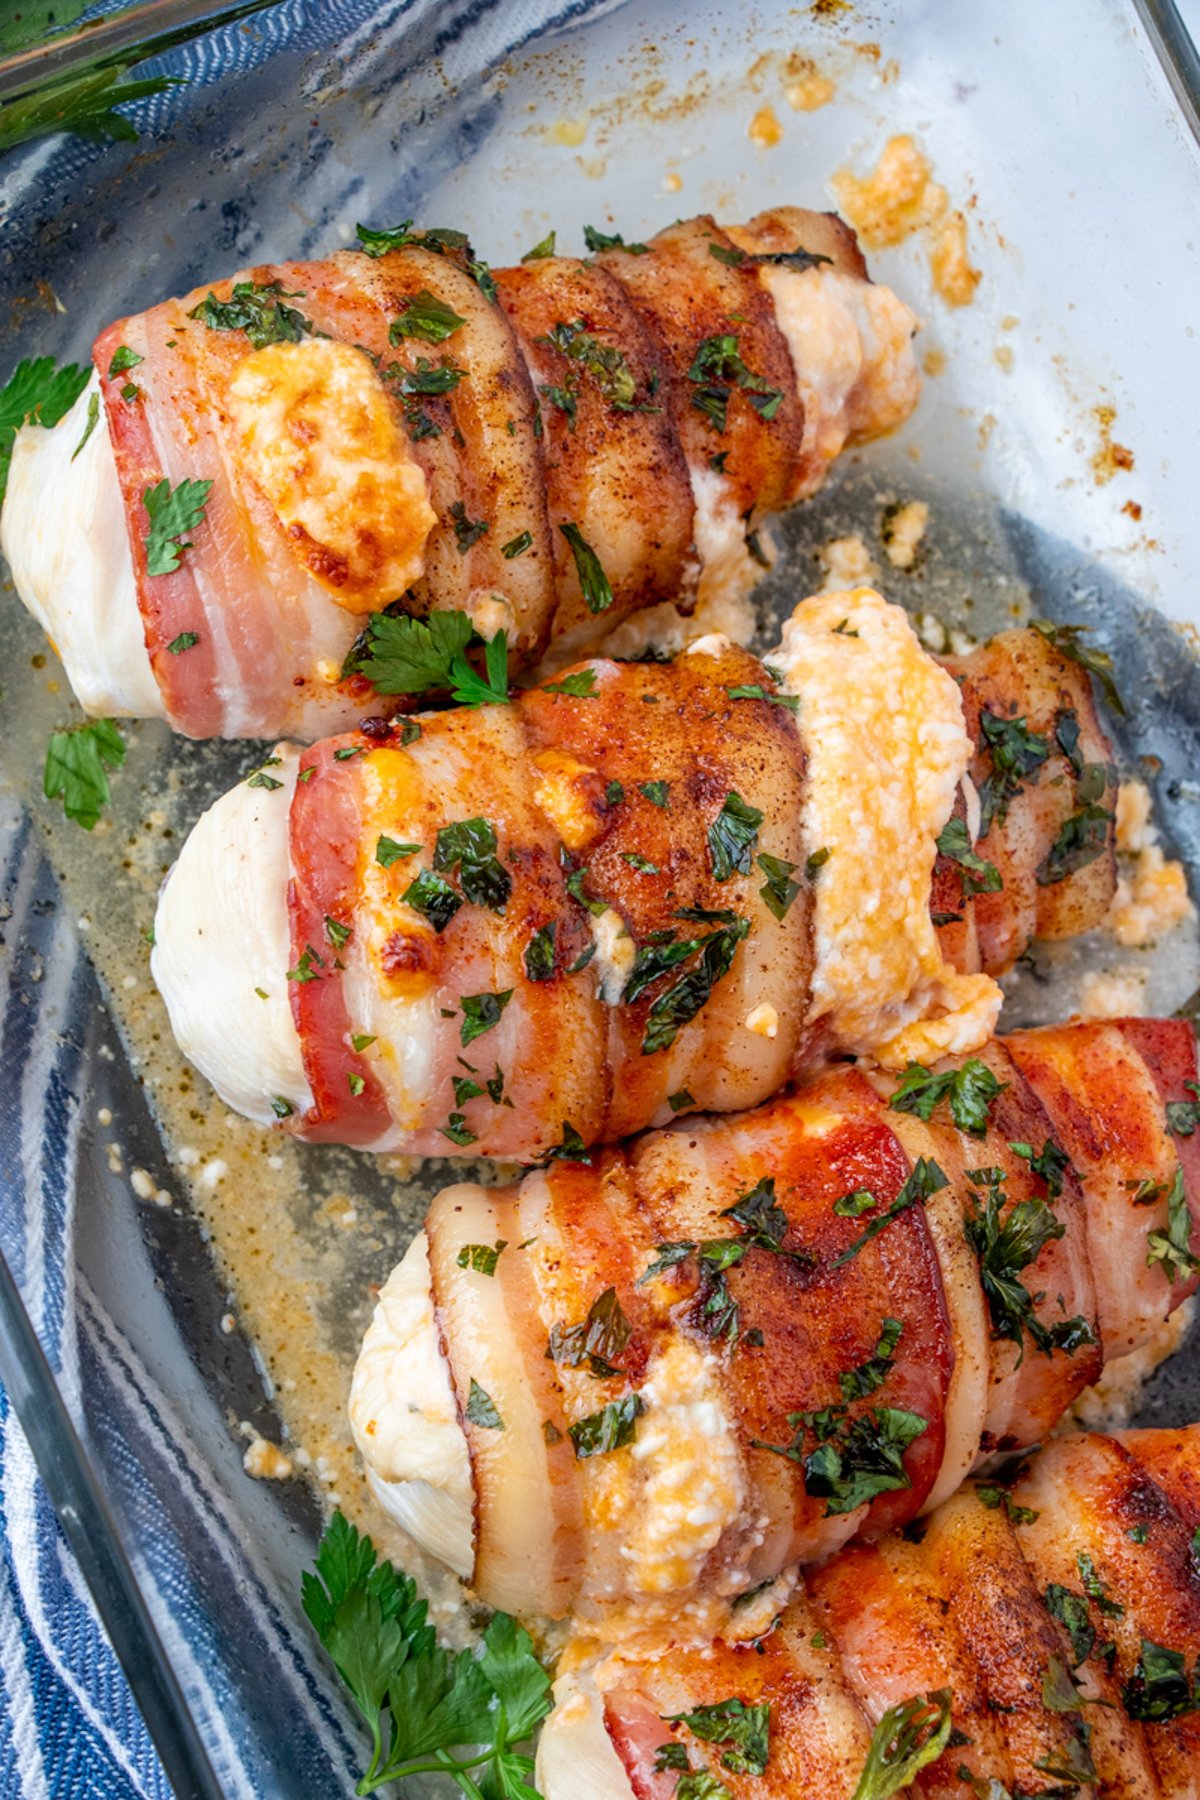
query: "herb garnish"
1017, 754
979, 876
601, 240
742, 1731
969, 1090
1066, 640
1050, 1163
754, 690
717, 368
579, 686
388, 851
1159, 1687
1183, 1116
481, 1257
852, 1460
905, 1741
76, 762
857, 1383
187, 640
779, 890
540, 951
481, 1409
545, 248
598, 1343
517, 546
610, 1429
257, 309
604, 362
925, 1180
469, 846
433, 898
593, 582
681, 1002
422, 1702
426, 317
481, 1012
1172, 1247
764, 1226
401, 655
732, 837
1081, 839
467, 532
37, 393
1004, 1247
171, 512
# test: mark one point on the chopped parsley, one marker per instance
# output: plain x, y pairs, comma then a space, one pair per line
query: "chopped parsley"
905, 1741
1183, 1116
717, 369
1004, 1246
979, 876
609, 1429
362, 1040
593, 582
571, 1148
854, 1204
754, 690
1074, 1615
77, 761
857, 1383
743, 1732
851, 1461
779, 890
1017, 755
602, 240
258, 309
481, 1257
426, 317
469, 846
1081, 839
481, 1012
680, 1099
732, 837
123, 359
433, 898
925, 1180
657, 792
422, 1703
481, 1408
763, 1225
1050, 1163
339, 935
598, 1342
814, 863
1159, 1688
1066, 640
680, 1004
517, 546
604, 362
306, 968
639, 862
969, 1092
545, 248
540, 951
38, 393
467, 532
1172, 1247
579, 686
172, 512
402, 655
388, 851
90, 423
187, 640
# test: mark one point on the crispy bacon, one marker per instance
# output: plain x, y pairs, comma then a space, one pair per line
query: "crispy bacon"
831, 1299
652, 404
1034, 1615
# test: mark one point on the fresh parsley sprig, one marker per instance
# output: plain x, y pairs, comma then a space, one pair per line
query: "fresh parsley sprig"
76, 763
906, 1740
400, 655
36, 393
172, 511
422, 1703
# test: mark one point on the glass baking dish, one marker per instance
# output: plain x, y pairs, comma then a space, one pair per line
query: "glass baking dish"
1064, 131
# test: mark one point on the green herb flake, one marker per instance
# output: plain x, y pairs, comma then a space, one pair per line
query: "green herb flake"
433, 897
597, 1343
657, 792
579, 686
517, 546
38, 393
858, 1382
481, 1408
283, 1109
609, 1429
481, 1257
401, 655
732, 837
1005, 1243
601, 240
258, 309
469, 846
717, 369
678, 1100
779, 890
1183, 1116
123, 359
969, 1091
680, 1004
816, 862
1017, 755
1172, 1247
339, 935
362, 1040
540, 952
593, 582
1066, 639
742, 1732
187, 640
925, 1180
388, 851
92, 420
906, 1740
979, 876
851, 1461
545, 248
426, 317
77, 761
1081, 839
481, 1012
172, 512
1159, 1688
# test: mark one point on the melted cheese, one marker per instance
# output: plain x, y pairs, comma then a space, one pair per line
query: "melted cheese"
897, 198
953, 275
728, 572
314, 429
887, 750
1151, 896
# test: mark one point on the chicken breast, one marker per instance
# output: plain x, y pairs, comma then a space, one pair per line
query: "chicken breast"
636, 891
672, 1371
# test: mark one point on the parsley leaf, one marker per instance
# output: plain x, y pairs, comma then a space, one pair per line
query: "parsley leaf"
540, 952
852, 1460
609, 1429
1015, 753
545, 248
979, 876
433, 897
253, 307
426, 317
682, 1001
481, 1012
37, 393
857, 1383
422, 1702
1183, 1116
401, 655
1004, 1246
970, 1091
601, 240
779, 890
742, 1731
579, 686
605, 362
1066, 640
1172, 1247
925, 1180
732, 837
171, 512
481, 1409
717, 368
598, 1343
905, 1741
469, 845
1081, 839
388, 851
76, 761
593, 582
1159, 1687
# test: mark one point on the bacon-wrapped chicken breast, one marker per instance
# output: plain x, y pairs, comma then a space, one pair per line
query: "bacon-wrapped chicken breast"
1035, 1639
642, 1384
638, 889
261, 467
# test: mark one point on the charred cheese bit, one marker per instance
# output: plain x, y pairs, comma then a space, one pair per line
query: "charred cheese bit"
314, 430
882, 778
567, 793
1152, 896
897, 198
671, 1494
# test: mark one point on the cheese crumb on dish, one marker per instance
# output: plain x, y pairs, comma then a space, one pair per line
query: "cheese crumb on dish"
1111, 993
314, 429
764, 128
900, 197
881, 784
846, 563
1111, 1402
1151, 896
812, 91
265, 1461
902, 531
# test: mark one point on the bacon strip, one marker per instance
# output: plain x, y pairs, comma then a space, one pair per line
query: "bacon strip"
975, 1606
774, 1333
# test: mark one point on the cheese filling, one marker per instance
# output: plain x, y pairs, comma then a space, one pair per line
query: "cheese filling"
882, 778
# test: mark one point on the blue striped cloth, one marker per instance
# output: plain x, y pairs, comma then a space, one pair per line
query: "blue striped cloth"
69, 1727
